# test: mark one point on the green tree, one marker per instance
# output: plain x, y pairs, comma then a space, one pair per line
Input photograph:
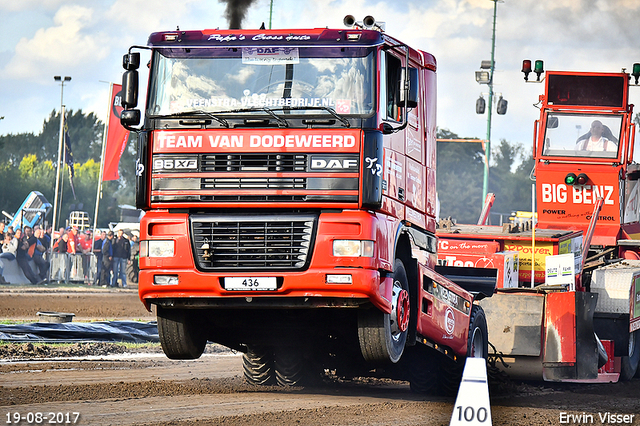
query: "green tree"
85, 133
459, 174
30, 163
512, 188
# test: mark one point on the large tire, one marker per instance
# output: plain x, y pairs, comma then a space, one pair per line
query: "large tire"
289, 367
629, 364
383, 336
478, 341
258, 366
179, 334
132, 272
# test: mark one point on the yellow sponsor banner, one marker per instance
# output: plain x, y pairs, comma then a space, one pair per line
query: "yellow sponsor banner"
542, 250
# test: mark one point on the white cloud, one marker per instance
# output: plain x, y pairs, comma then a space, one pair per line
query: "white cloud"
65, 46
22, 5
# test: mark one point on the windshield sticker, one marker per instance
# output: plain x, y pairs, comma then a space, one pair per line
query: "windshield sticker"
270, 55
342, 107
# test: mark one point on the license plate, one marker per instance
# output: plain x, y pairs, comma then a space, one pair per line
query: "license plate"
250, 283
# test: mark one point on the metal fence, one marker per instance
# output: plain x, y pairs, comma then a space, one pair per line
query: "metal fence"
66, 267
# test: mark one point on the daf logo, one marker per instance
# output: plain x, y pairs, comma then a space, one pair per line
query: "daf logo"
175, 164
334, 164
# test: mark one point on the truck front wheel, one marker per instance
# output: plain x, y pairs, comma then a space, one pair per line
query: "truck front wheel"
383, 336
179, 334
629, 364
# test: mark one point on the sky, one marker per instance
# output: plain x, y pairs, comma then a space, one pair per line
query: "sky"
40, 39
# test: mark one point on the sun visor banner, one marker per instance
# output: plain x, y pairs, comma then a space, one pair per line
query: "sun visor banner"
270, 55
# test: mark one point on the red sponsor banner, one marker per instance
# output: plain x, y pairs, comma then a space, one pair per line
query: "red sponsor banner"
251, 140
116, 137
467, 246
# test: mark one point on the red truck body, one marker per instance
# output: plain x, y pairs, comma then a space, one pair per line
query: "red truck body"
288, 179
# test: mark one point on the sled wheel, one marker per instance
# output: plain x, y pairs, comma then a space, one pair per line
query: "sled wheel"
257, 364
477, 342
422, 365
179, 334
289, 366
383, 336
629, 364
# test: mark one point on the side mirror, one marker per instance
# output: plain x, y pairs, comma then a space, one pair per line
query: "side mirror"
552, 122
129, 118
411, 93
131, 61
130, 89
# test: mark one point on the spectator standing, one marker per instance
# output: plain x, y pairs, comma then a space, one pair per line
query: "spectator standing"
74, 241
40, 253
26, 246
61, 244
135, 256
85, 246
43, 239
121, 255
97, 250
107, 260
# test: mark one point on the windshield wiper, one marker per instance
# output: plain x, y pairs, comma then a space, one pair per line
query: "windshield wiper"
323, 108
281, 121
196, 112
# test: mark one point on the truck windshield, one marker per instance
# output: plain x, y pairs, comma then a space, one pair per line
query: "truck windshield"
220, 80
582, 135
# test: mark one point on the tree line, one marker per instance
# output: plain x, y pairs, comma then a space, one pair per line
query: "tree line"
29, 163
460, 172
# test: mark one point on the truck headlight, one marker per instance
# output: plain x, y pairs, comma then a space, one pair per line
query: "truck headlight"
353, 248
157, 248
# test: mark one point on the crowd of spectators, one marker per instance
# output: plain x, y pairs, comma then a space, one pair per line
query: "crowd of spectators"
33, 247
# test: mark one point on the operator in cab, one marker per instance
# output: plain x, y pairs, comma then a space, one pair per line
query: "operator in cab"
599, 138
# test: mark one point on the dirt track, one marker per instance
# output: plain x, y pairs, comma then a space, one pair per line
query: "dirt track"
129, 389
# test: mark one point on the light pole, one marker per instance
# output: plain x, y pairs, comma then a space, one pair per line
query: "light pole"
62, 80
486, 77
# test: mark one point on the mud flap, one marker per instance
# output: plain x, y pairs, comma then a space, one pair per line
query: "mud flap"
570, 347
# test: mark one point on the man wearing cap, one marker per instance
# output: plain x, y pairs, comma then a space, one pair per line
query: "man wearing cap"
107, 260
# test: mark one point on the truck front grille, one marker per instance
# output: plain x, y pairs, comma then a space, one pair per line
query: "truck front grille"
254, 162
252, 242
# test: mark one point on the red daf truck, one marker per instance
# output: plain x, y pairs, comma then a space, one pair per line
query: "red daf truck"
583, 152
288, 180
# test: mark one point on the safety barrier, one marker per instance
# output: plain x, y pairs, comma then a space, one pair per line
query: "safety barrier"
66, 267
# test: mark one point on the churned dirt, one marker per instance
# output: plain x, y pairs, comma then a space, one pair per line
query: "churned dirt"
113, 384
